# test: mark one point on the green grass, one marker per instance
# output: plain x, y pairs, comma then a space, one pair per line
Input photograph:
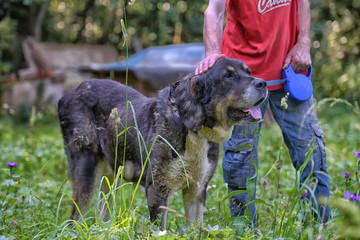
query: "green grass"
35, 197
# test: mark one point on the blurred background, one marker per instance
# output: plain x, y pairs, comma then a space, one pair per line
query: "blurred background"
49, 46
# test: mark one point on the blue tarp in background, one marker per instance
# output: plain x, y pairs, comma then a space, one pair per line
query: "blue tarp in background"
159, 65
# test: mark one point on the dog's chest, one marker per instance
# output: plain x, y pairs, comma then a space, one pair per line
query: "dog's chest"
193, 168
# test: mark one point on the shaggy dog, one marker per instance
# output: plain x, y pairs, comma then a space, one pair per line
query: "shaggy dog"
187, 121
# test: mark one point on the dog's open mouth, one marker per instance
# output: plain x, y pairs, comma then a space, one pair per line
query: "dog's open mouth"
236, 114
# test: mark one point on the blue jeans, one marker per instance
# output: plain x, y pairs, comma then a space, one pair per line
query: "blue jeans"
299, 126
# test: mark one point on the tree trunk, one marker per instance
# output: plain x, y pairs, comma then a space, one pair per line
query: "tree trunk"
39, 21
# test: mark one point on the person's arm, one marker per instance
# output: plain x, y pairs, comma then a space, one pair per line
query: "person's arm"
212, 34
299, 56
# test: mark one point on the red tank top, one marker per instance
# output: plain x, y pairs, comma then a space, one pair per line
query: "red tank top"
261, 33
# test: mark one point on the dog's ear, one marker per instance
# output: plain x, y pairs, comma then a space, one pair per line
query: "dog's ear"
190, 111
204, 88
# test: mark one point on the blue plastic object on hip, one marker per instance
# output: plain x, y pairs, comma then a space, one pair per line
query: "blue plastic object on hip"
297, 85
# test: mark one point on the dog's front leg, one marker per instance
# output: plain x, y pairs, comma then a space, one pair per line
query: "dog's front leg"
156, 198
194, 202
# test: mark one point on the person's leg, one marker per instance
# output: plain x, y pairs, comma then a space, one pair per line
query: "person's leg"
239, 151
300, 126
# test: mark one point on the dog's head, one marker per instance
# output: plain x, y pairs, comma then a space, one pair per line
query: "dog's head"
224, 96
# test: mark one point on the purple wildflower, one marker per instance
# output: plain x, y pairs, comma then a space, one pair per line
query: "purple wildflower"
351, 196
11, 164
304, 194
346, 174
347, 195
357, 154
355, 197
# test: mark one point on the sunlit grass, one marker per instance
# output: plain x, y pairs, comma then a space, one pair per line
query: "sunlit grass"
35, 200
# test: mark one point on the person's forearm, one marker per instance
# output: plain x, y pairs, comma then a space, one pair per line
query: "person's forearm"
304, 22
213, 26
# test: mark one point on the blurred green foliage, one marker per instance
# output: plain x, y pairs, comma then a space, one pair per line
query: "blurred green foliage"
153, 22
348, 225
335, 32
7, 38
336, 48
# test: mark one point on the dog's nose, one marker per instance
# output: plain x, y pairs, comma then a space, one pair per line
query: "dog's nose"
260, 83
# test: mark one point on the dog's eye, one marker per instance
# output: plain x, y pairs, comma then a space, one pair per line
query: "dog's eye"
248, 71
228, 74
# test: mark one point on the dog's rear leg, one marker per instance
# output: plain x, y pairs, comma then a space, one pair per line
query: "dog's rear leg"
194, 203
83, 178
106, 176
157, 198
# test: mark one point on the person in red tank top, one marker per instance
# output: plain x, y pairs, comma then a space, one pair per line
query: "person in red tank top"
261, 36
267, 35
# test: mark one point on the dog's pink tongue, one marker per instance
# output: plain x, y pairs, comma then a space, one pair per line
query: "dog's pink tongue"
255, 112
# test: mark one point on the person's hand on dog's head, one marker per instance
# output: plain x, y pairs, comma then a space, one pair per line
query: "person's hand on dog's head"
208, 62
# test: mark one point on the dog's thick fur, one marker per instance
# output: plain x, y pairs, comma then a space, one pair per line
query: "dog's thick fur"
193, 115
